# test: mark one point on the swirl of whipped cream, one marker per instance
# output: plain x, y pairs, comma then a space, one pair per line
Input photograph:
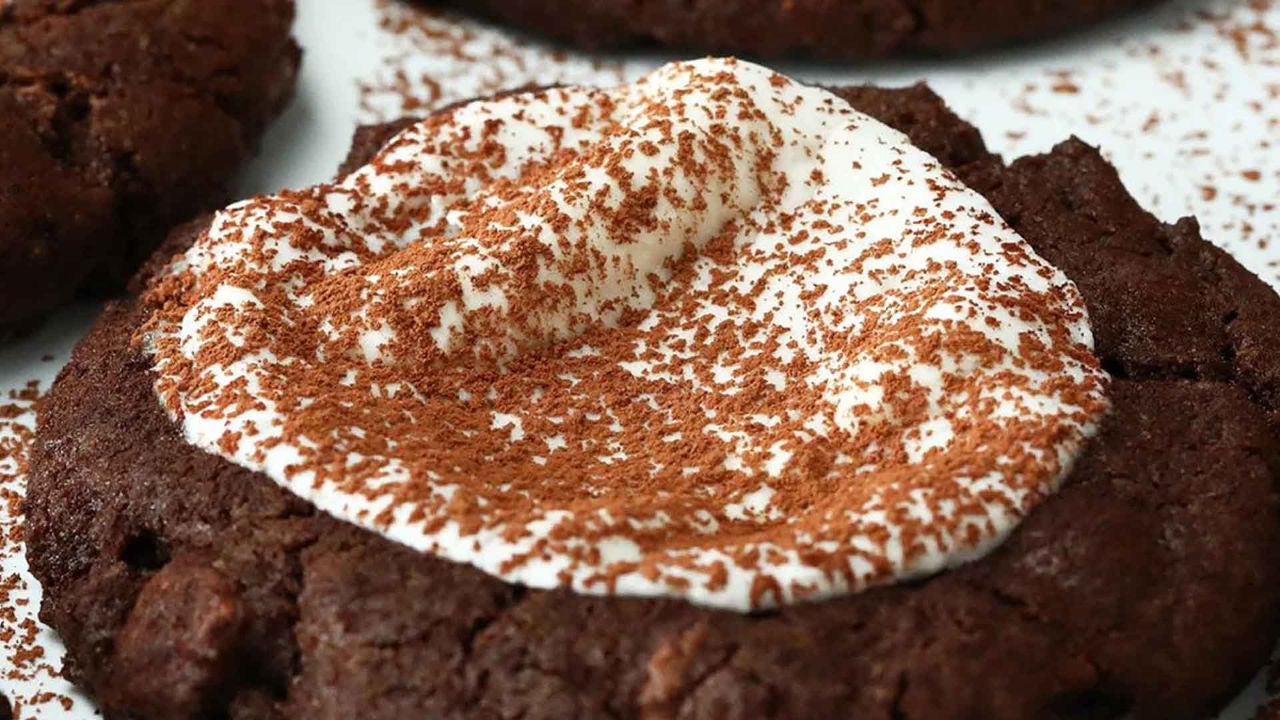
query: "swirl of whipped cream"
713, 335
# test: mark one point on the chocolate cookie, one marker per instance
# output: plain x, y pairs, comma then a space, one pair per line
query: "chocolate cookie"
816, 28
185, 586
117, 121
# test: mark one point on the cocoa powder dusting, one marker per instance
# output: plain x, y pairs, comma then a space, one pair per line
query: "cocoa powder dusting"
433, 58
687, 413
24, 666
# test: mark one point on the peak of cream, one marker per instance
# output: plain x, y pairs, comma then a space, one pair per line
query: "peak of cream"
712, 335
582, 231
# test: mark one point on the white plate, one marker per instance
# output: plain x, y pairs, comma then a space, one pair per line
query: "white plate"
1184, 99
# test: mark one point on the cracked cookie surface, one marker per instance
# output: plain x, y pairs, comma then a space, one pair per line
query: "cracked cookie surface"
816, 28
185, 586
119, 120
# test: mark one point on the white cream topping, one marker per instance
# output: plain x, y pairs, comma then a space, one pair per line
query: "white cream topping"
713, 262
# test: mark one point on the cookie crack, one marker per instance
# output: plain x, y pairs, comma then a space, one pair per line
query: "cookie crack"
255, 675
896, 711
70, 96
481, 624
690, 689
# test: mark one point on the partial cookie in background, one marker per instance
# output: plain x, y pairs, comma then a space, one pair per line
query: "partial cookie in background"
811, 28
119, 120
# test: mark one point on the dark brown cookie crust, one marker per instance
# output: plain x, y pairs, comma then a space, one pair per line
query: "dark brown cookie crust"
119, 119
185, 586
841, 29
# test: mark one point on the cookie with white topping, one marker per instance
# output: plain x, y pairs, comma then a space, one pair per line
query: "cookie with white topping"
1144, 587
